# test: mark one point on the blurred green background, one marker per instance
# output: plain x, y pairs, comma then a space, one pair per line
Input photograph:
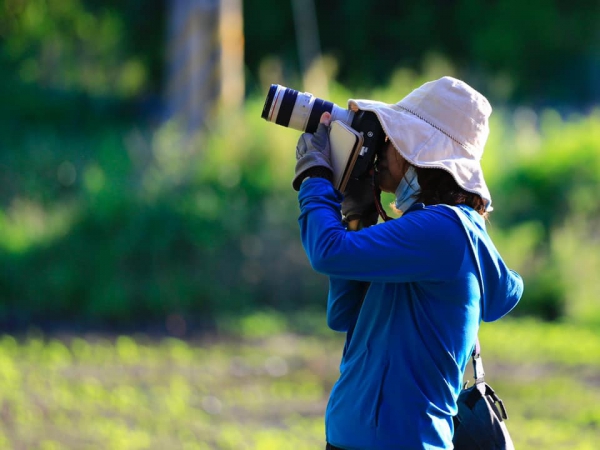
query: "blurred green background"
148, 258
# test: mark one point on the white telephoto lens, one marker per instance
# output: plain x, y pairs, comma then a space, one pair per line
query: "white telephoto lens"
302, 109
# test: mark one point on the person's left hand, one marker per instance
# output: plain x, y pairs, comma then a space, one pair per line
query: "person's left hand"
313, 153
359, 202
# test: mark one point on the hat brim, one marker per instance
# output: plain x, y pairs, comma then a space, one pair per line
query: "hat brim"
428, 147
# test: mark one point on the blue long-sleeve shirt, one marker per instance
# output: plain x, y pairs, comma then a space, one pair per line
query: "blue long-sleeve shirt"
410, 293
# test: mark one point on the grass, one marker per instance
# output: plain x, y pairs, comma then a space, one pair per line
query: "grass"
262, 391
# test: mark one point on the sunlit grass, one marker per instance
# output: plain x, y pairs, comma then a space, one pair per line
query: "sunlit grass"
264, 391
135, 393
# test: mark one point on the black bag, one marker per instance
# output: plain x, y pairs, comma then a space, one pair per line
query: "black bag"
479, 424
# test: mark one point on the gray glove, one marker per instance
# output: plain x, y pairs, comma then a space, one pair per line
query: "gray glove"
359, 201
313, 156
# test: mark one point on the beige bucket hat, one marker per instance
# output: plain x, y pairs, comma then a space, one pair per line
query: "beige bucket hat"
442, 124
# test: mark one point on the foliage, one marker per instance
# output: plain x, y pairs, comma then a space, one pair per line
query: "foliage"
112, 222
70, 61
545, 172
538, 52
99, 53
130, 227
142, 226
267, 392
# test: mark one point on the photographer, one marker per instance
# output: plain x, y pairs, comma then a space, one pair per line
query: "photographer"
410, 293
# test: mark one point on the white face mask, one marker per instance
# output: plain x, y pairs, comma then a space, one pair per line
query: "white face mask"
406, 189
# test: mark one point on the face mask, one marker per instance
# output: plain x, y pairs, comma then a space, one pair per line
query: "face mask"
406, 189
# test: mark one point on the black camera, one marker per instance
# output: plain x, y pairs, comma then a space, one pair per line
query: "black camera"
302, 111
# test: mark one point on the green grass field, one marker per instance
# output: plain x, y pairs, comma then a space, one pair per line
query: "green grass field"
265, 389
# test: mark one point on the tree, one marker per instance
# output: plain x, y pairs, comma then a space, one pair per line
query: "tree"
205, 59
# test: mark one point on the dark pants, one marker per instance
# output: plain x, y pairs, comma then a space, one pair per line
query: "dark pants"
331, 447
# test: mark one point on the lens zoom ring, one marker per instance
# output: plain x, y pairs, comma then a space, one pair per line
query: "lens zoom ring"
287, 106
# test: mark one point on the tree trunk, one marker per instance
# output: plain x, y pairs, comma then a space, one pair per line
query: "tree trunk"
205, 60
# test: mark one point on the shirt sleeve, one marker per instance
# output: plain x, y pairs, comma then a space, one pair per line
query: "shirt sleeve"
419, 246
344, 302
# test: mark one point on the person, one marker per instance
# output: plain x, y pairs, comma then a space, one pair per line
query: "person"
409, 293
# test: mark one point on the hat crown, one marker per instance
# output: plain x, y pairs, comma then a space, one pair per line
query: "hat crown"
443, 125
454, 108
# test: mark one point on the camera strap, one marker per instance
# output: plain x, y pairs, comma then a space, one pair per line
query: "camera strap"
380, 210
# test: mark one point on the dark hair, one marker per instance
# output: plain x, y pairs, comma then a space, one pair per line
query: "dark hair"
439, 187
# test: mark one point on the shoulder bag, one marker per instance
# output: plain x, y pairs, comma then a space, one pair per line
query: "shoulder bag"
479, 424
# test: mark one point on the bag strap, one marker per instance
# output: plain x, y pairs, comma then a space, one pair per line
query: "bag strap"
479, 373
482, 386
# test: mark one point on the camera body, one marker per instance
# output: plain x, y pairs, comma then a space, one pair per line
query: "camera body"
302, 111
